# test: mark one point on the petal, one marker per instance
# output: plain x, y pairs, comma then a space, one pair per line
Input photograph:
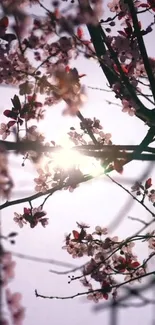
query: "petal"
4, 136
98, 229
16, 214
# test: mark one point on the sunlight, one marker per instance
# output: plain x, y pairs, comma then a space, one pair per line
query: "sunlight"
67, 158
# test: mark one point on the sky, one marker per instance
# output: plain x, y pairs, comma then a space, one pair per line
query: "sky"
96, 202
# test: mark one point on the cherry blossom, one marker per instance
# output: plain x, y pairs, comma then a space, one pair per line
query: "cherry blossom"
4, 130
7, 267
43, 180
127, 107
82, 225
19, 220
32, 216
151, 196
4, 321
151, 241
86, 283
108, 258
25, 88
19, 316
33, 134
127, 248
100, 231
17, 312
137, 274
13, 302
95, 296
136, 187
114, 6
140, 70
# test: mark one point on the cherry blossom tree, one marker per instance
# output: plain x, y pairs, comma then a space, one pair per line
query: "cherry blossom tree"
35, 56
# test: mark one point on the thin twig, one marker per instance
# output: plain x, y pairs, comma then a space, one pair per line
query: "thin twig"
127, 191
139, 220
43, 260
92, 291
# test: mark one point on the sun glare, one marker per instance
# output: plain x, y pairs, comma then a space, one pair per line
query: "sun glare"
67, 158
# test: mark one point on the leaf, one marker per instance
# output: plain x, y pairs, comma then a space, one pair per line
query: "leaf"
57, 14
149, 29
7, 113
105, 296
79, 32
121, 15
11, 123
86, 42
20, 121
13, 234
67, 68
143, 5
118, 166
125, 70
148, 183
128, 31
27, 211
135, 264
11, 114
39, 214
9, 37
74, 74
76, 234
82, 234
151, 3
31, 98
82, 75
4, 22
121, 33
16, 103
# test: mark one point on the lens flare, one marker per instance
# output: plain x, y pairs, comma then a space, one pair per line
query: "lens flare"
67, 158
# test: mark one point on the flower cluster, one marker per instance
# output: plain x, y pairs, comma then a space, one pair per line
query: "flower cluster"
109, 257
17, 312
20, 112
144, 190
68, 178
8, 266
69, 89
32, 216
80, 138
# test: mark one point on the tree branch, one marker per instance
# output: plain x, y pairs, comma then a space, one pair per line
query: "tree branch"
142, 47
